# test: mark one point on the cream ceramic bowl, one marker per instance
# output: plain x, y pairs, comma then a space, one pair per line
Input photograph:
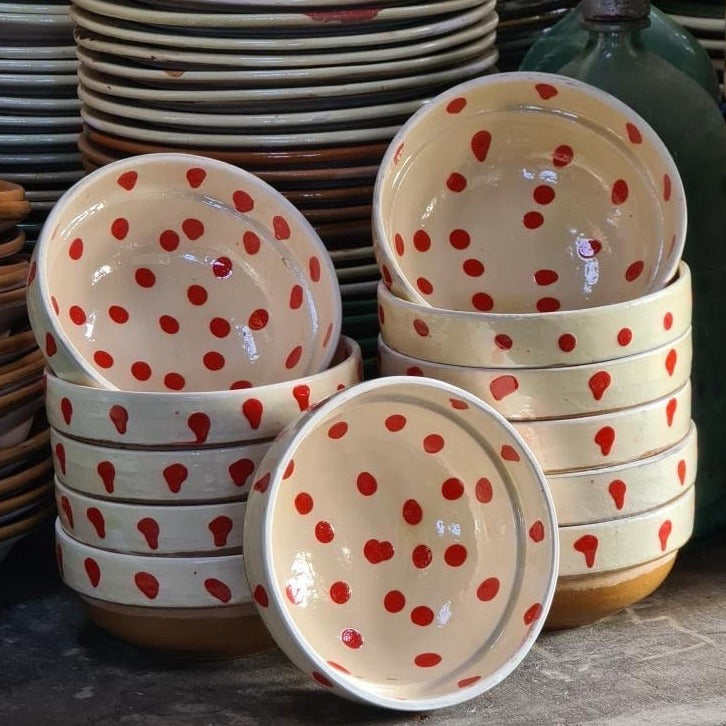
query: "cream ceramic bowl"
170, 272
160, 476
627, 542
138, 418
568, 337
149, 529
526, 192
533, 393
174, 582
611, 492
441, 518
586, 442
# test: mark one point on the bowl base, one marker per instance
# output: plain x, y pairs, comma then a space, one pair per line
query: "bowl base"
583, 600
197, 633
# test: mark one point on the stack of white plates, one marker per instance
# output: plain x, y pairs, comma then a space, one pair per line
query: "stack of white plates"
39, 110
307, 100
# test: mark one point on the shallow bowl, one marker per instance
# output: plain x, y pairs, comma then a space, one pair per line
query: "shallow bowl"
148, 259
140, 418
372, 590
525, 192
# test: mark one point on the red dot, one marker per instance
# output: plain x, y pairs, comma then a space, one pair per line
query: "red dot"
338, 430
544, 194
394, 601
351, 638
482, 301
260, 595
296, 297
620, 192
197, 294
459, 239
546, 277
668, 321
75, 249
219, 327
340, 592
145, 277
533, 220
258, 319
243, 202
483, 490
414, 371
509, 453
366, 483
502, 341
77, 315
455, 555
294, 594
251, 243
281, 227
240, 385
458, 404
321, 679
421, 241
118, 314
420, 327
433, 443
103, 359
338, 667
466, 682
386, 274
634, 271
324, 532
222, 267
625, 335
667, 188
412, 512
473, 268
304, 503
193, 228
398, 244
120, 228
563, 155
55, 305
548, 304
169, 240
533, 613
427, 660
421, 556
456, 182
452, 488
381, 315
567, 342
141, 371
424, 285
174, 381
456, 105
488, 589
289, 469
294, 357
422, 616
169, 324
213, 360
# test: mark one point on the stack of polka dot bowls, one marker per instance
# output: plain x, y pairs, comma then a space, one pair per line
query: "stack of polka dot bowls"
187, 313
529, 230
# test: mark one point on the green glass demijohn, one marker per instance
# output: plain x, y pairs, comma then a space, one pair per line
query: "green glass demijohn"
691, 125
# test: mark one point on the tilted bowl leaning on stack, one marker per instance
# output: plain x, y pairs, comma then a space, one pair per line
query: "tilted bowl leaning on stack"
529, 230
188, 313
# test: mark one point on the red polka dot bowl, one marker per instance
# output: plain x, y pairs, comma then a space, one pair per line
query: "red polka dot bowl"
171, 272
152, 581
146, 529
534, 393
143, 418
385, 523
624, 490
586, 442
162, 476
527, 192
532, 340
629, 541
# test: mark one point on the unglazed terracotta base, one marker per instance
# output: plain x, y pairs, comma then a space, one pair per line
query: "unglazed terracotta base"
583, 600
204, 633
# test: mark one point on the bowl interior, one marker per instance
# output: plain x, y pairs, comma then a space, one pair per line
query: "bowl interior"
410, 527
516, 195
173, 272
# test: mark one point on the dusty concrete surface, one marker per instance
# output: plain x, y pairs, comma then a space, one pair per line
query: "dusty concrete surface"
662, 663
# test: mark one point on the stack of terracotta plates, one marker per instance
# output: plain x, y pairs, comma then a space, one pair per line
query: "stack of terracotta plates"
521, 24
25, 464
39, 109
305, 100
532, 256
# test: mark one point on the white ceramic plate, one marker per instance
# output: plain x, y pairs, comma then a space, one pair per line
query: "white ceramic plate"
692, 22
33, 105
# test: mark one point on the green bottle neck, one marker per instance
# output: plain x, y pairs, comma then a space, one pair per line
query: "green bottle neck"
610, 43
